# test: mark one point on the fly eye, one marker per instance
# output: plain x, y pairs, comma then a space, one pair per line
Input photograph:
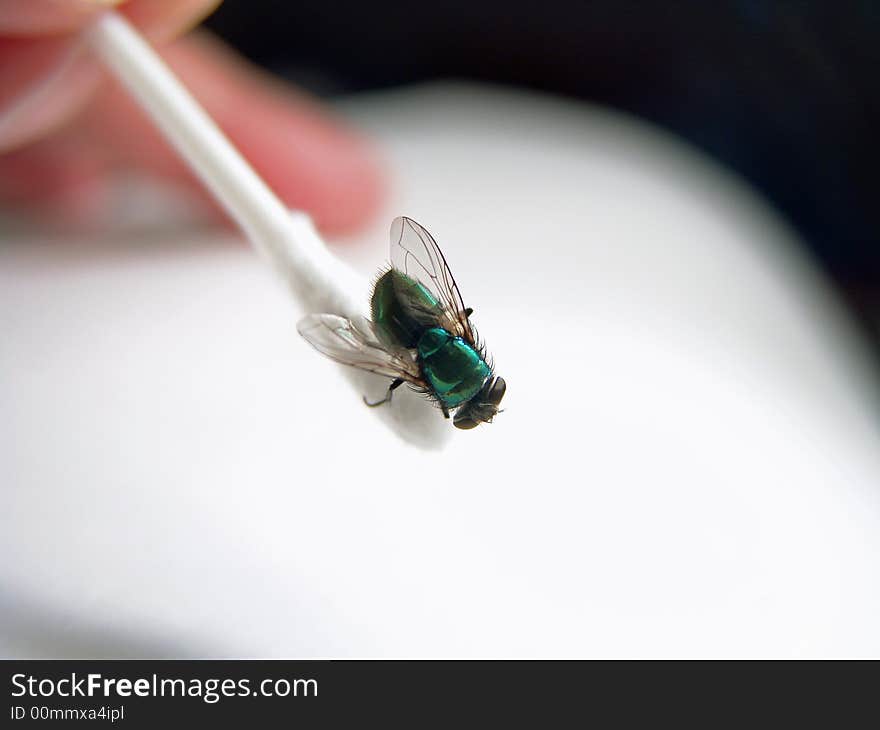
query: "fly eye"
465, 423
496, 392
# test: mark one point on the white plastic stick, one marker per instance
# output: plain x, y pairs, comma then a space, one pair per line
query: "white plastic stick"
287, 239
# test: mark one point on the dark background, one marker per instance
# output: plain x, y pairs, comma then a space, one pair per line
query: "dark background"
784, 93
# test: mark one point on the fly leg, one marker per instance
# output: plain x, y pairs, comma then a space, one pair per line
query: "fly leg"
445, 411
387, 399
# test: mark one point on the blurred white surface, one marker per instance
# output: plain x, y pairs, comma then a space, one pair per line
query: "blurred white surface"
687, 465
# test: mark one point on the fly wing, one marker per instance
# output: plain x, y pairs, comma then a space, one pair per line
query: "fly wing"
415, 253
355, 343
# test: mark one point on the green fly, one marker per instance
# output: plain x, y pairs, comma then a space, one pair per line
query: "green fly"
420, 334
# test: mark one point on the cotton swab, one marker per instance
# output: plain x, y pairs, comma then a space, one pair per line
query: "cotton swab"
288, 240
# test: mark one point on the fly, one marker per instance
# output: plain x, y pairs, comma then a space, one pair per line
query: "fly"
420, 333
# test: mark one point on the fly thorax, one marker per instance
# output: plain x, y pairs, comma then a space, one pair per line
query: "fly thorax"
432, 341
454, 370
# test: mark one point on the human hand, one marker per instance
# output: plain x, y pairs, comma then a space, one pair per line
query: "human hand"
65, 128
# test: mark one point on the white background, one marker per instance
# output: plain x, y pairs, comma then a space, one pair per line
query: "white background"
687, 464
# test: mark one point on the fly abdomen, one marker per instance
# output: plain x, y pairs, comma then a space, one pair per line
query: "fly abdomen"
391, 323
454, 370
402, 309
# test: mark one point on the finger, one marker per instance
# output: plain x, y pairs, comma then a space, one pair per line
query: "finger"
164, 20
312, 161
309, 159
63, 180
47, 17
42, 83
45, 80
159, 19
